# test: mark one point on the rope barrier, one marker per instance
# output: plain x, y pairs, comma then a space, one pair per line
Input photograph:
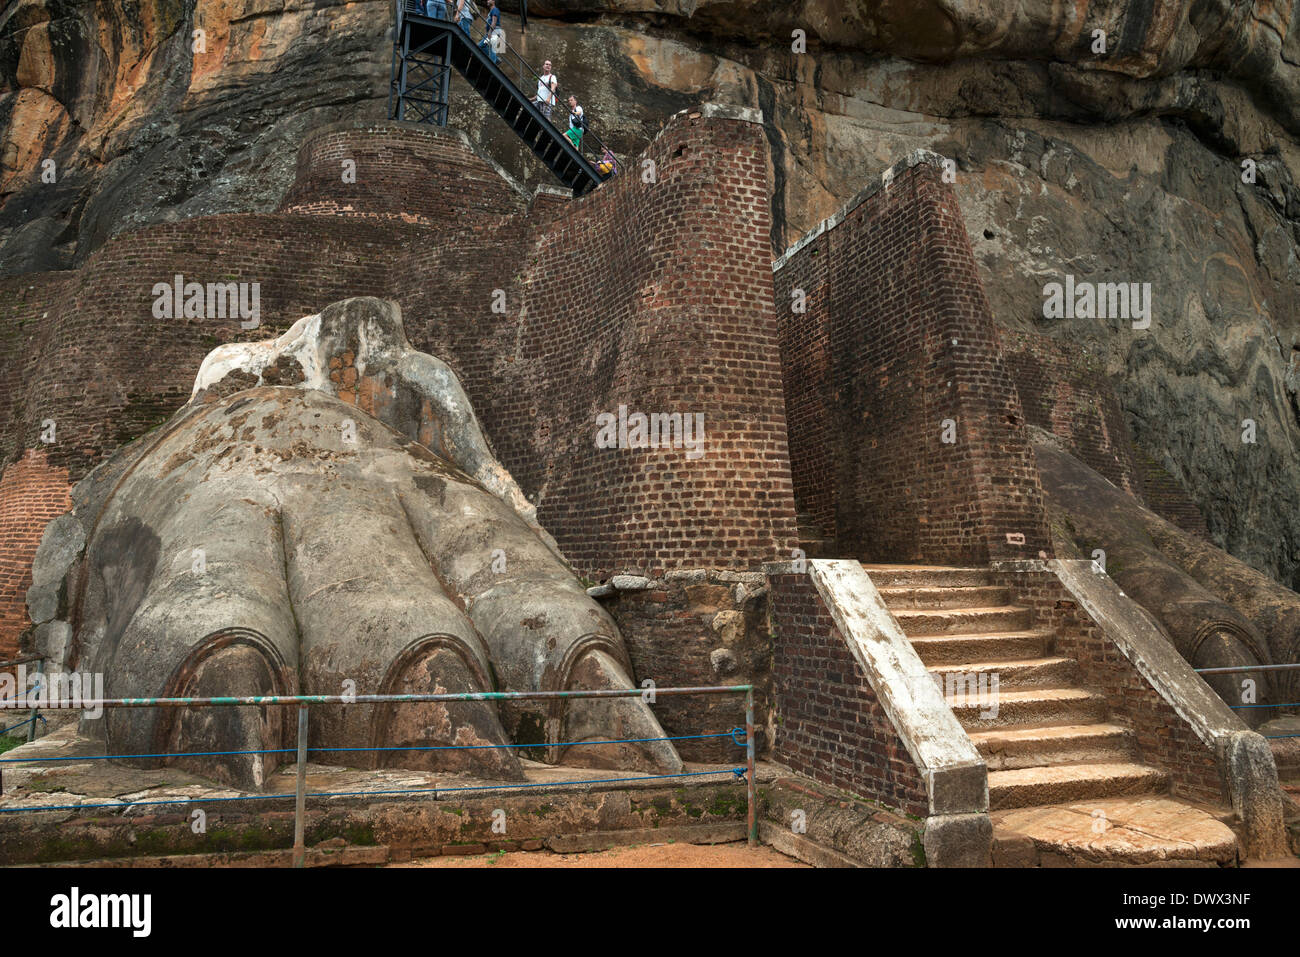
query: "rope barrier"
740, 736
35, 717
451, 747
124, 805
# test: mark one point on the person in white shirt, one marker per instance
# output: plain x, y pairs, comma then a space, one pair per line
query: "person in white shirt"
577, 123
547, 84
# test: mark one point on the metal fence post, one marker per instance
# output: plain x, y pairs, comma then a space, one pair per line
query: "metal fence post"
35, 712
752, 788
300, 804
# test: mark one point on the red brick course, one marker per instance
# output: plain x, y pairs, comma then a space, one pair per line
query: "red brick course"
32, 492
897, 338
1163, 739
829, 724
406, 171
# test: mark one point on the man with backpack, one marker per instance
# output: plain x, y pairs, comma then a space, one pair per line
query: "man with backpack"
494, 38
547, 84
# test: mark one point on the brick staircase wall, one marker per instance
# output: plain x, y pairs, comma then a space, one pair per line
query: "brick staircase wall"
830, 725
1065, 392
1162, 738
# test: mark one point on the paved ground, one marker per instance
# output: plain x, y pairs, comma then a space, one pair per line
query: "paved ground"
639, 855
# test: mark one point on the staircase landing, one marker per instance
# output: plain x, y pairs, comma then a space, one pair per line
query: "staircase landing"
1148, 830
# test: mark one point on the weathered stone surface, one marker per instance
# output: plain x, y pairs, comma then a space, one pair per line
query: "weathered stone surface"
1069, 161
958, 840
61, 545
1119, 831
53, 639
828, 828
1255, 794
630, 582
298, 538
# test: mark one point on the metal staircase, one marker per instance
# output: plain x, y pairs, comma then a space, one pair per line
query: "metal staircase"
425, 51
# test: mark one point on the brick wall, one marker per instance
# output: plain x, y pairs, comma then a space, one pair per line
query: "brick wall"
407, 171
698, 627
31, 493
1168, 498
829, 724
1066, 393
1163, 739
105, 370
897, 338
656, 296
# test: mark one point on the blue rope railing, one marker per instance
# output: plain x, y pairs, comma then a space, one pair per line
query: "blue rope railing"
541, 785
740, 736
442, 747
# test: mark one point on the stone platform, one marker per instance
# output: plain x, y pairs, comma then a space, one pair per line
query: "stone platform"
1138, 831
369, 821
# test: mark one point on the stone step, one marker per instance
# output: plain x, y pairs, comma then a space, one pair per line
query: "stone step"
944, 597
1059, 783
1034, 707
1001, 646
1147, 830
1021, 673
917, 622
1008, 749
935, 576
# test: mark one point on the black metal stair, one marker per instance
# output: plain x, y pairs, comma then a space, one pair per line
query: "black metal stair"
426, 48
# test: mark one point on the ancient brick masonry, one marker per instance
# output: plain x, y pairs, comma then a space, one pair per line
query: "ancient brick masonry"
1162, 738
659, 296
405, 172
700, 627
896, 340
656, 296
31, 493
1068, 395
829, 723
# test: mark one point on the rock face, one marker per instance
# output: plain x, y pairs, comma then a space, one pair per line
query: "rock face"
1122, 165
321, 534
1218, 612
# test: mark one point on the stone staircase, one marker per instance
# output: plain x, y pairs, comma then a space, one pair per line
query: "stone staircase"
1046, 739
812, 539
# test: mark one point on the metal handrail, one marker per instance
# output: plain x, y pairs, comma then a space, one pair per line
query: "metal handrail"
1238, 669
590, 147
36, 711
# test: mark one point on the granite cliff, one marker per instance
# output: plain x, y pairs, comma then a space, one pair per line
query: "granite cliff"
1125, 165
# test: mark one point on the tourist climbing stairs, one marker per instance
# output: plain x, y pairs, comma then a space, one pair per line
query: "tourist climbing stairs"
427, 48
